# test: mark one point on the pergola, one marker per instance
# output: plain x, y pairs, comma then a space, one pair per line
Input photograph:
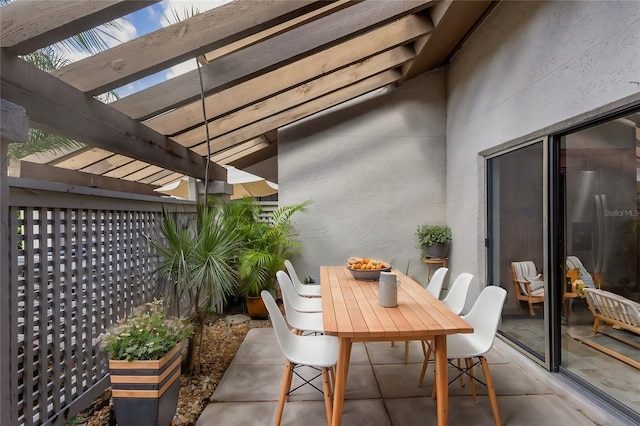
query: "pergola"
264, 64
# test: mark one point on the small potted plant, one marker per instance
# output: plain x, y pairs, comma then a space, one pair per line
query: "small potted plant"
434, 240
145, 353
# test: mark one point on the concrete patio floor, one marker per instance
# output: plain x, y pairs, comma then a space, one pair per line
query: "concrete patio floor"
382, 390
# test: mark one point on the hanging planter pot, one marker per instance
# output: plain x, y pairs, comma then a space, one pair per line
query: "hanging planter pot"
145, 393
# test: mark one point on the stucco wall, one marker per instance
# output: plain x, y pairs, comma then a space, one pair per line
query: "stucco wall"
529, 67
374, 169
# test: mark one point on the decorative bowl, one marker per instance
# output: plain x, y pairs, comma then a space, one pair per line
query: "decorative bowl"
367, 274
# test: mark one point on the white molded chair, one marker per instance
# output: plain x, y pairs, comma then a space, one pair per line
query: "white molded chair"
320, 352
457, 295
305, 290
301, 321
484, 317
435, 283
454, 300
297, 302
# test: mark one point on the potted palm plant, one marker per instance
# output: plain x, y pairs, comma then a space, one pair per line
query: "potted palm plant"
434, 240
145, 350
265, 248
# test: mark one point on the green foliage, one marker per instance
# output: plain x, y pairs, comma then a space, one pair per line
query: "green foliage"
196, 262
429, 235
308, 280
265, 245
147, 335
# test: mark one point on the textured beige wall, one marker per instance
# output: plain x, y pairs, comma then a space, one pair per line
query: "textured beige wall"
374, 170
530, 69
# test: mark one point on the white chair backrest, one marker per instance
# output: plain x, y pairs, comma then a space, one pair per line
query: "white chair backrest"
457, 295
286, 339
435, 283
292, 272
294, 317
484, 317
295, 301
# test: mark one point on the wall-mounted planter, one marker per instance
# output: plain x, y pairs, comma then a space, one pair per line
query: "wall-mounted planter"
145, 393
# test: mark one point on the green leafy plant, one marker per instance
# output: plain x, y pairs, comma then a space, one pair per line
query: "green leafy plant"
196, 266
146, 335
265, 245
429, 235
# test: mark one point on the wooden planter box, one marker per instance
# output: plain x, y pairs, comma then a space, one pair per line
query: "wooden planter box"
146, 392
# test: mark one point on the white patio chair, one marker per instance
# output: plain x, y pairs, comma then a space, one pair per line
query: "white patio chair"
484, 317
297, 302
305, 290
454, 300
435, 283
320, 352
433, 288
300, 321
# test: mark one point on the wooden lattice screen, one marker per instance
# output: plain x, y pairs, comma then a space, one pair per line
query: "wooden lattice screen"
75, 271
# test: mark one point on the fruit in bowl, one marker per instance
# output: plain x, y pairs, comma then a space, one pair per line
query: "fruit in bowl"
363, 268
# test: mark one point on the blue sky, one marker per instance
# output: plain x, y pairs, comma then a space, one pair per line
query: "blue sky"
151, 18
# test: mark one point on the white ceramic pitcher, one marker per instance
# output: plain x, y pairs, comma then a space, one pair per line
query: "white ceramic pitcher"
388, 289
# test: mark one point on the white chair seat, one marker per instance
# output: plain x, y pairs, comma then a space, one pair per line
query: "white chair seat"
315, 351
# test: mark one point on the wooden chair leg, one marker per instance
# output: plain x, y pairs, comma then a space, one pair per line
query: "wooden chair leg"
427, 355
328, 395
491, 390
531, 311
461, 376
469, 363
284, 388
596, 325
406, 352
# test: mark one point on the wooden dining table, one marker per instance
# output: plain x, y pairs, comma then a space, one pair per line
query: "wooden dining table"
351, 312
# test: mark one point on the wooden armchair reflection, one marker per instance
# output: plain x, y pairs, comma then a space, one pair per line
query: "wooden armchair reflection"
528, 283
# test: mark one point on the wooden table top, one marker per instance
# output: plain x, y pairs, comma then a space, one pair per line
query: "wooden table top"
350, 309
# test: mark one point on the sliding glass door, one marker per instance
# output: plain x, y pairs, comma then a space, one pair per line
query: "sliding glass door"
515, 242
600, 171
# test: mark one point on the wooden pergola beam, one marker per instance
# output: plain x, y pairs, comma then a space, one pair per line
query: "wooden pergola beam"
399, 32
452, 20
301, 111
58, 106
48, 173
264, 57
28, 25
179, 42
298, 95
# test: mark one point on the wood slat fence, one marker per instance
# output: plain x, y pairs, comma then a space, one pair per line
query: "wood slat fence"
79, 261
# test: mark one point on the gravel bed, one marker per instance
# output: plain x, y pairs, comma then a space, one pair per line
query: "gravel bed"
220, 341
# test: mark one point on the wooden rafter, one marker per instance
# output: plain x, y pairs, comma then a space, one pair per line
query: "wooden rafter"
266, 56
28, 25
298, 95
387, 37
66, 111
301, 111
177, 43
452, 21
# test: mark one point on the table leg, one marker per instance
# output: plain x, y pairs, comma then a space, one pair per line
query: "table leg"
342, 369
441, 378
